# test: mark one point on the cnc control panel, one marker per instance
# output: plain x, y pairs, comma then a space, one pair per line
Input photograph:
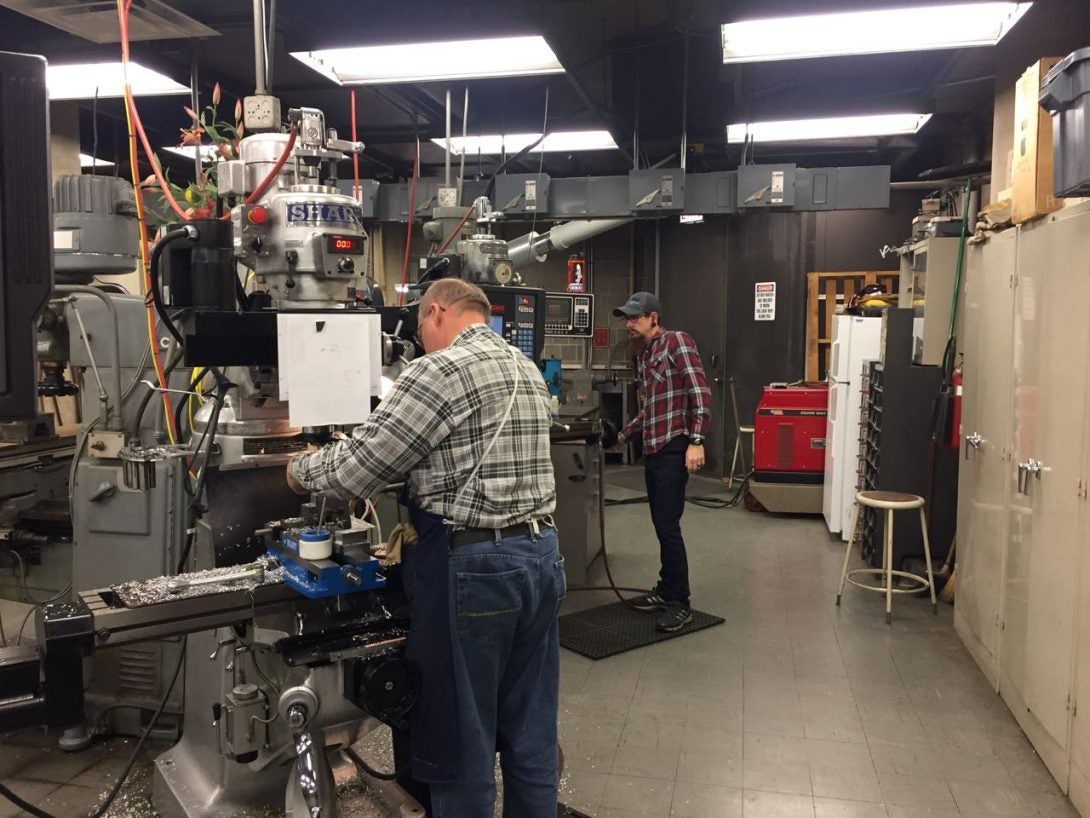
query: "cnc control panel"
569, 315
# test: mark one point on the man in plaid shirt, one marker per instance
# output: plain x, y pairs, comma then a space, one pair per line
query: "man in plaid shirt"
467, 426
675, 410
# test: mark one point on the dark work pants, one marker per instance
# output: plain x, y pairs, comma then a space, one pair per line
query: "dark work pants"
666, 477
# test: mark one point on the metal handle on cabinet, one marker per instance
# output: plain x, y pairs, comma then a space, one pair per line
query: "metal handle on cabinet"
975, 441
1031, 468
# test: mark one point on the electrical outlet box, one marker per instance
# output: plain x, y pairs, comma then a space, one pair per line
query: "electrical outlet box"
261, 113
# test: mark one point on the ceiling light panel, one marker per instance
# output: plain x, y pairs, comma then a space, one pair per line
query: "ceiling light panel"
424, 62
87, 80
207, 151
870, 32
816, 130
86, 161
559, 142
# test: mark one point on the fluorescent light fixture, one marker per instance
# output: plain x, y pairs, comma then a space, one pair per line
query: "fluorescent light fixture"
207, 151
814, 130
86, 161
424, 62
691, 218
82, 80
558, 142
870, 32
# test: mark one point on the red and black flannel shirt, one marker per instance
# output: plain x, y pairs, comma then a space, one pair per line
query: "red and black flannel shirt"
674, 395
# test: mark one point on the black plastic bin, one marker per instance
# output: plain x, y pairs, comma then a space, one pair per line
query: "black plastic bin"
1065, 94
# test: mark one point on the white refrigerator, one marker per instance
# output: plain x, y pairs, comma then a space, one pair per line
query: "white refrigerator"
856, 340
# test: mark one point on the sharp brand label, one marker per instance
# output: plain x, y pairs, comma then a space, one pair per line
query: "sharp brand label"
318, 213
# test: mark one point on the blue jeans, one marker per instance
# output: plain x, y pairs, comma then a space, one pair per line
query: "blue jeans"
666, 478
504, 598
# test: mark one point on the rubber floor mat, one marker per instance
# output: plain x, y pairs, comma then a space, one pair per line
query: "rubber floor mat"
611, 629
569, 812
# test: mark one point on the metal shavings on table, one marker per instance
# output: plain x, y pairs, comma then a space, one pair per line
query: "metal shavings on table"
138, 593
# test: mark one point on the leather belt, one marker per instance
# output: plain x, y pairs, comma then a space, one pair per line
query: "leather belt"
466, 536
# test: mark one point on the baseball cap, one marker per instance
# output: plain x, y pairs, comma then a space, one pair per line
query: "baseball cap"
638, 304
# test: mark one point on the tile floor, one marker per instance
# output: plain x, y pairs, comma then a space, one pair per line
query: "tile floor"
792, 709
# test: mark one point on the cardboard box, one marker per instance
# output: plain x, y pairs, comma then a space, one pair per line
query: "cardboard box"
1031, 176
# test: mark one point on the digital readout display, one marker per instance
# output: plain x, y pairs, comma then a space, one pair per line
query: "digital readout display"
347, 245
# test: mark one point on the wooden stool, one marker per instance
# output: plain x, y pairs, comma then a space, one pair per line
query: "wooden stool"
891, 501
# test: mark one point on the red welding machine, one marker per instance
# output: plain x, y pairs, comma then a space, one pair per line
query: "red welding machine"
789, 447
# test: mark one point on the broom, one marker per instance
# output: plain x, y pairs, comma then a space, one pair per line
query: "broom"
949, 571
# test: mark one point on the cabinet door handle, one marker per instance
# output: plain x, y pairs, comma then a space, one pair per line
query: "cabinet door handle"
973, 443
1030, 468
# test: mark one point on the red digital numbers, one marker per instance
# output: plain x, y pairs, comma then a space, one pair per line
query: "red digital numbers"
344, 244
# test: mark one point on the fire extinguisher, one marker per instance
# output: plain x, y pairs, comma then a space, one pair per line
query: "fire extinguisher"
577, 273
953, 431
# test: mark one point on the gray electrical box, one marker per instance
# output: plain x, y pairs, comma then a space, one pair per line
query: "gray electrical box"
766, 186
655, 191
523, 193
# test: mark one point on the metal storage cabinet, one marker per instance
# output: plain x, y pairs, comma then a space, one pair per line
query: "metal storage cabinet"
895, 454
1080, 711
985, 475
1041, 577
1027, 543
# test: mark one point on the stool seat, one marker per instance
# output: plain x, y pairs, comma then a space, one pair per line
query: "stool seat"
889, 499
889, 502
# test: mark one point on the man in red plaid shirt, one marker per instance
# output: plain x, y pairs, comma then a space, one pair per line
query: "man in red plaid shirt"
675, 410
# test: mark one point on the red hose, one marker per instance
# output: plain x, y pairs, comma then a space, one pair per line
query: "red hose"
123, 19
456, 230
259, 191
409, 228
355, 156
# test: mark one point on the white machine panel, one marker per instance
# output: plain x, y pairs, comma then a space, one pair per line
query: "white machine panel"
330, 366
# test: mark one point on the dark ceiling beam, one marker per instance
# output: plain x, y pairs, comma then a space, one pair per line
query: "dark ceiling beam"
620, 134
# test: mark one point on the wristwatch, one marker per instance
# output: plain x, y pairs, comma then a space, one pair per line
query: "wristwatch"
696, 440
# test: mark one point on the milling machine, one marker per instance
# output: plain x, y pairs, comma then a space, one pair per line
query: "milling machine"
212, 590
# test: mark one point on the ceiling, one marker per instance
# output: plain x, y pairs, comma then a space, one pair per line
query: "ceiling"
625, 71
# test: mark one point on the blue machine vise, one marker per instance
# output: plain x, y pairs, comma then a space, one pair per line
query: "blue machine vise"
320, 578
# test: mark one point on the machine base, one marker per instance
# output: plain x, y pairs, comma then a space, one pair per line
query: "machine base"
789, 498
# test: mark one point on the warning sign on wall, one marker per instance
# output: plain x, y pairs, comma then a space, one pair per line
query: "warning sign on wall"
764, 301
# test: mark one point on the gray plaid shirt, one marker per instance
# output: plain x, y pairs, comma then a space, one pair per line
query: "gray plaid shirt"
433, 427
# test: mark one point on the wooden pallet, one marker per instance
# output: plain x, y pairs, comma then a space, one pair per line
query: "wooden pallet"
825, 292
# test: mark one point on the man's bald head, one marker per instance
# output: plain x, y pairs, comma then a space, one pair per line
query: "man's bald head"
458, 295
450, 306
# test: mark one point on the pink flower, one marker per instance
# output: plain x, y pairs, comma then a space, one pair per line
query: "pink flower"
238, 113
191, 136
190, 113
216, 94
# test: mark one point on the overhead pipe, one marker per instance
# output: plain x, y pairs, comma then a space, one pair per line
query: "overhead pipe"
465, 132
447, 176
535, 247
260, 69
685, 104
